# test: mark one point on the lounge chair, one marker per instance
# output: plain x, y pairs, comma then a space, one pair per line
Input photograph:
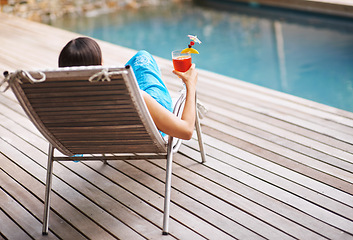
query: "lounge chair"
94, 113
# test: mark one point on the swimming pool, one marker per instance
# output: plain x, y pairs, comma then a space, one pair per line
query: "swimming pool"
310, 56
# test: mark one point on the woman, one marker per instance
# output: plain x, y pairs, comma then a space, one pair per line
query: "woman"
85, 51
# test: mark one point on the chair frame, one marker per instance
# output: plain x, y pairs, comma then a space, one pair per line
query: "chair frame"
16, 79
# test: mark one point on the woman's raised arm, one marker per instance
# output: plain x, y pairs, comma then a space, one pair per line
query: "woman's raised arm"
166, 121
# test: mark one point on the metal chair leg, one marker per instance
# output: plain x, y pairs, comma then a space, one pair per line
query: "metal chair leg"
168, 181
199, 137
168, 186
48, 190
105, 162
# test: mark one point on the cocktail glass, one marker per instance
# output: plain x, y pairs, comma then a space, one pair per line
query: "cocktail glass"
181, 61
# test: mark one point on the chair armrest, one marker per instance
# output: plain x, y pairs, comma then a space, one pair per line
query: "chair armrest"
178, 111
179, 104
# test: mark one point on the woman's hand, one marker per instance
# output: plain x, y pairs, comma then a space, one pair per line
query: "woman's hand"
189, 77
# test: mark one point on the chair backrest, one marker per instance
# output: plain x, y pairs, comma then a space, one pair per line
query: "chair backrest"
78, 116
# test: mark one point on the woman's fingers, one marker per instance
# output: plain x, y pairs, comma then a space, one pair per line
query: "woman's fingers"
183, 75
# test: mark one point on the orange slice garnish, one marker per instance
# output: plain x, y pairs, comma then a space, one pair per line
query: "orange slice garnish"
190, 50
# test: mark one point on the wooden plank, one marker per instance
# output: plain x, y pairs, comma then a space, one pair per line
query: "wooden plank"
283, 156
232, 157
48, 58
134, 226
30, 202
230, 206
252, 193
16, 115
142, 200
178, 213
281, 123
285, 191
92, 228
9, 228
319, 151
155, 177
81, 202
267, 104
22, 217
270, 222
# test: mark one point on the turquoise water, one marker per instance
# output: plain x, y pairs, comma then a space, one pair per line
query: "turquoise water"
309, 56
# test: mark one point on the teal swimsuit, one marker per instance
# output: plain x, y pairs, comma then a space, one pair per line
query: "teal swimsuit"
149, 78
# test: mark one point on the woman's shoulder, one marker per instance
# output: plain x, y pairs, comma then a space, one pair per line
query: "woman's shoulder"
142, 57
142, 52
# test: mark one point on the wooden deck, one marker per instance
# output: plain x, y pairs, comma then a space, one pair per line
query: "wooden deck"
279, 167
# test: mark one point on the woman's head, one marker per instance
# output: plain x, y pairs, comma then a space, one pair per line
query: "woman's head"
81, 51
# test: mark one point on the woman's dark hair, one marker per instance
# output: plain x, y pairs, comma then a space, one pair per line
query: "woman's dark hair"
81, 51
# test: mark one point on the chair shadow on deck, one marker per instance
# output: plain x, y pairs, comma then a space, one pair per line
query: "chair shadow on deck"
95, 113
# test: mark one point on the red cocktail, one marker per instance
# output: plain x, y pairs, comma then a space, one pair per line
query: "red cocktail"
182, 64
181, 61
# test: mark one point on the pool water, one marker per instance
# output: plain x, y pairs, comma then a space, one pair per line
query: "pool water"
306, 55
